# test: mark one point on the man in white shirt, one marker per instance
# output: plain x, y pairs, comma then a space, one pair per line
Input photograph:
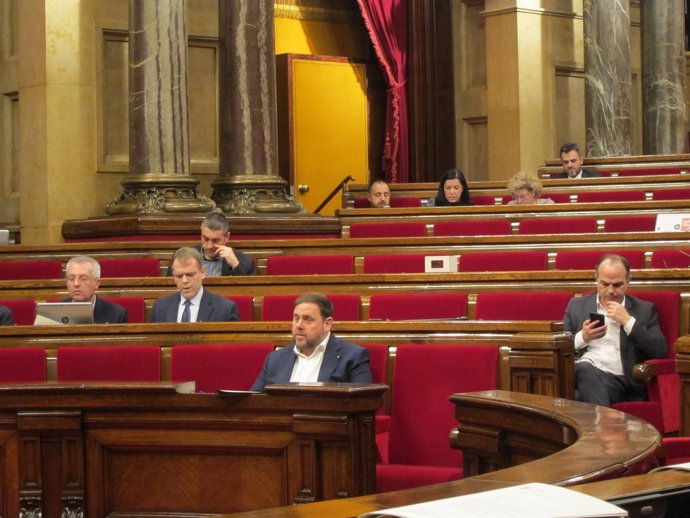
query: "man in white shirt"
316, 355
606, 353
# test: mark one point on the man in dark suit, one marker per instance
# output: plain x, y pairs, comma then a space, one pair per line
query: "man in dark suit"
219, 258
606, 353
6, 316
83, 278
316, 355
572, 163
192, 303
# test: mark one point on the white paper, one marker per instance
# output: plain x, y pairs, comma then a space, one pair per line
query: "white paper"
533, 500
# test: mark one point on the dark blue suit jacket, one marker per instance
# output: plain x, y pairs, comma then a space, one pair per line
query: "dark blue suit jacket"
6, 316
646, 341
213, 308
342, 362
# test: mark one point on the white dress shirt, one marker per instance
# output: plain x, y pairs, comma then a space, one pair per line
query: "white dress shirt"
306, 368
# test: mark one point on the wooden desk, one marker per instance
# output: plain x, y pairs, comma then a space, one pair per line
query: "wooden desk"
683, 370
135, 450
535, 439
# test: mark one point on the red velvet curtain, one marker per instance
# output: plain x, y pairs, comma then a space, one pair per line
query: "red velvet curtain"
386, 21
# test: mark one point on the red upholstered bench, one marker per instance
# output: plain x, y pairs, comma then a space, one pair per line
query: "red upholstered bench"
245, 306
394, 263
23, 311
558, 226
644, 171
643, 223
39, 269
404, 229
607, 196
280, 308
671, 258
671, 194
588, 259
109, 363
477, 227
503, 261
22, 365
218, 366
310, 264
130, 267
135, 306
513, 305
417, 306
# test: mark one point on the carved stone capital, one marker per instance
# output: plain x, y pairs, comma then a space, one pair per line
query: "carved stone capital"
30, 507
73, 507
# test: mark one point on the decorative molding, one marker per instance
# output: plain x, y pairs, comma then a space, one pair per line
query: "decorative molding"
338, 11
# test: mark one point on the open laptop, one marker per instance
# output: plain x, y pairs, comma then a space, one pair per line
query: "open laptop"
63, 313
672, 223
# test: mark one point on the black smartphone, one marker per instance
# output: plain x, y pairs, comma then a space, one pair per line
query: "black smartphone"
598, 317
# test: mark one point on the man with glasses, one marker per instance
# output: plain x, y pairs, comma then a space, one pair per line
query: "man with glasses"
83, 278
192, 303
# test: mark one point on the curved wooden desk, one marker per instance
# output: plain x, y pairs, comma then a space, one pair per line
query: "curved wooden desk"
534, 438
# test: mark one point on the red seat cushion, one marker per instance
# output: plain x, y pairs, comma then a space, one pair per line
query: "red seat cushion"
671, 194
109, 363
281, 307
533, 305
22, 365
135, 306
309, 264
607, 196
477, 227
245, 306
670, 258
218, 366
400, 229
558, 226
502, 261
588, 259
394, 263
644, 223
417, 306
130, 267
23, 311
39, 269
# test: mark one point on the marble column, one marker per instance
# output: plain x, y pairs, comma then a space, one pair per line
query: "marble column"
608, 78
159, 179
663, 76
249, 181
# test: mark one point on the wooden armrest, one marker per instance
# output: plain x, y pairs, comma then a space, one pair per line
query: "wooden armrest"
644, 372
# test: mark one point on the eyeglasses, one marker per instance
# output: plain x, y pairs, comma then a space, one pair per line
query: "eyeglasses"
82, 278
189, 275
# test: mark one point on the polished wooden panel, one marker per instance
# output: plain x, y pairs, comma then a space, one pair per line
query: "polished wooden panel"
683, 370
536, 439
137, 450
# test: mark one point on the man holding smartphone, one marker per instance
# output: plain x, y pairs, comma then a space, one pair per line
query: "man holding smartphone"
613, 331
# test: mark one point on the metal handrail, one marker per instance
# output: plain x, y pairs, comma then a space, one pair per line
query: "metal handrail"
338, 188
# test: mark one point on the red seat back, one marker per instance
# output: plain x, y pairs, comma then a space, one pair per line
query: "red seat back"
502, 261
668, 307
483, 200
644, 223
606, 196
361, 203
671, 258
394, 263
22, 365
644, 171
422, 416
218, 366
135, 306
245, 306
309, 264
417, 306
477, 227
400, 229
109, 363
23, 311
671, 194
39, 269
281, 307
558, 226
130, 267
557, 197
532, 305
588, 259
405, 202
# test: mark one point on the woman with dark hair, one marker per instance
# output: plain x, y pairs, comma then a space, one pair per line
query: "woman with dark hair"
452, 190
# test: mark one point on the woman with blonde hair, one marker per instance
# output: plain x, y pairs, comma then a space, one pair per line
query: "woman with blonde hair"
526, 190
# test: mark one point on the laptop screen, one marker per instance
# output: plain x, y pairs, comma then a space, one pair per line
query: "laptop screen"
63, 313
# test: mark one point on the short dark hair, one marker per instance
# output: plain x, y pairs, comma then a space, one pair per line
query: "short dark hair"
374, 182
614, 258
216, 221
323, 302
568, 147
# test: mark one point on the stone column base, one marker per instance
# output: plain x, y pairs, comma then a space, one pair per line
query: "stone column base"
247, 194
160, 194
